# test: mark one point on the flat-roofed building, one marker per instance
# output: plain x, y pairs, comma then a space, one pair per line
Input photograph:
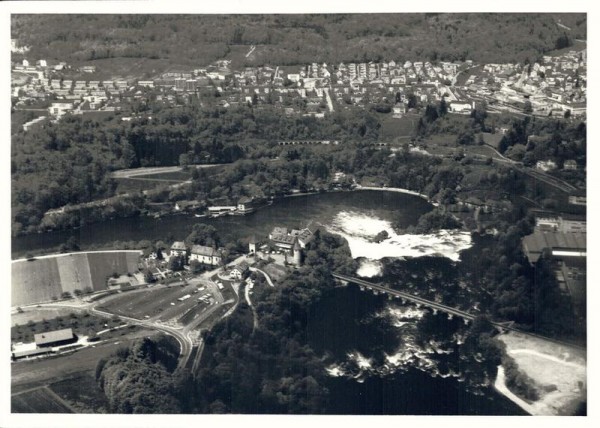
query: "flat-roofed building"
560, 245
54, 338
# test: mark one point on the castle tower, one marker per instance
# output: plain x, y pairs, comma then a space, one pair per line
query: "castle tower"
252, 244
297, 254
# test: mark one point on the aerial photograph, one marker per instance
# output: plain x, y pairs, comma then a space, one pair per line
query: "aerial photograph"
298, 214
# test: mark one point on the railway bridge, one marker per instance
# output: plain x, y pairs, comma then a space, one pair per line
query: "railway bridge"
435, 307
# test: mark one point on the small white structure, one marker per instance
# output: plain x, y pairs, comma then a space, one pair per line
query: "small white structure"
238, 271
547, 165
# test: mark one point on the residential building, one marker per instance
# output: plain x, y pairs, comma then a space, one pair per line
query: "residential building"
238, 271
178, 248
207, 255
59, 109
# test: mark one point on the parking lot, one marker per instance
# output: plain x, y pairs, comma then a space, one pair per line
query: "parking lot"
161, 303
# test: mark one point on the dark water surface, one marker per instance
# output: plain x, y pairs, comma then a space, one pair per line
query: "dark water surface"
290, 212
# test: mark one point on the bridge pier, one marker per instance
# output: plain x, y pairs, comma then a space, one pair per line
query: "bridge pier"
466, 320
450, 316
418, 306
362, 288
435, 311
403, 301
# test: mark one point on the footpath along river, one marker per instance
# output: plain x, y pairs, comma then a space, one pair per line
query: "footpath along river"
377, 365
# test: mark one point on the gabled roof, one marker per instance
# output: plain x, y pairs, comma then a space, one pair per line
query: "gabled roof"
178, 245
203, 250
242, 267
279, 231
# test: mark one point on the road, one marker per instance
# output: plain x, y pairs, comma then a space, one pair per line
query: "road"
185, 343
134, 172
254, 315
328, 98
183, 335
49, 256
252, 49
267, 277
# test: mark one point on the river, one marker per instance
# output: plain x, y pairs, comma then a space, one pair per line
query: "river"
382, 357
291, 212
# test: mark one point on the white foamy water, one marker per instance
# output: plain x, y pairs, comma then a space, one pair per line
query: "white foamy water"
369, 268
359, 229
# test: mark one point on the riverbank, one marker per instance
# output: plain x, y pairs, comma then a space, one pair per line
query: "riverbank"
558, 372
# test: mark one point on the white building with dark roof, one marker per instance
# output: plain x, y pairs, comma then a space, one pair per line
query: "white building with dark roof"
178, 248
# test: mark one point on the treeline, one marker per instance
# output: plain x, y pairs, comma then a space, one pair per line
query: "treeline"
529, 140
83, 152
273, 370
140, 379
510, 289
198, 40
270, 370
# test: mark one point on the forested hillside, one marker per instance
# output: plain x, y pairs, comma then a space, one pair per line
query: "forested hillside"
297, 39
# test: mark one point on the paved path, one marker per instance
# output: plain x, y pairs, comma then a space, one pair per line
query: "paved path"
328, 98
48, 256
134, 172
266, 275
501, 387
252, 49
254, 315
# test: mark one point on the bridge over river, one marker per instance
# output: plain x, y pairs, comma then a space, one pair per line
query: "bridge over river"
435, 306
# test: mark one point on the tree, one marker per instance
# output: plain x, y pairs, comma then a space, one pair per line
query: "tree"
203, 234
176, 263
148, 276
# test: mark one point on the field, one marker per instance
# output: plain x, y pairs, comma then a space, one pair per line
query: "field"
47, 278
561, 369
81, 323
35, 281
82, 393
37, 314
125, 68
275, 272
41, 400
440, 144
128, 185
392, 128
103, 265
492, 139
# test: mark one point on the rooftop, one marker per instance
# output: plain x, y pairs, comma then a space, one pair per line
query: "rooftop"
203, 250
178, 245
53, 336
535, 243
